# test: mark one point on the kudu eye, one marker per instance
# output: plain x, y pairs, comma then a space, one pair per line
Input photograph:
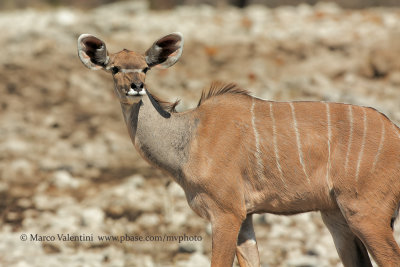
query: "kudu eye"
145, 70
114, 70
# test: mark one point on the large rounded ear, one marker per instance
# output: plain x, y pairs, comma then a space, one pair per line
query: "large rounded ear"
92, 51
166, 51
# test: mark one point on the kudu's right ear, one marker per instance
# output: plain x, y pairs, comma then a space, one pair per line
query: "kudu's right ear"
92, 51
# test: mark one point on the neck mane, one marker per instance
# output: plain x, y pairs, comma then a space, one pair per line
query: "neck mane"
217, 88
161, 105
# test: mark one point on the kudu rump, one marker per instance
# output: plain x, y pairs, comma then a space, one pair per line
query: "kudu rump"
235, 155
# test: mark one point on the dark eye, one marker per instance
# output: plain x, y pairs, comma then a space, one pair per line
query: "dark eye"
146, 69
114, 70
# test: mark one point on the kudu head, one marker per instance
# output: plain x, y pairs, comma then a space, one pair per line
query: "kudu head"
129, 68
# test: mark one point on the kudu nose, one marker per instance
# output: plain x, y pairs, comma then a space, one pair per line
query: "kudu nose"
137, 86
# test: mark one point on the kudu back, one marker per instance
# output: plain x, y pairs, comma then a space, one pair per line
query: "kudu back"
235, 155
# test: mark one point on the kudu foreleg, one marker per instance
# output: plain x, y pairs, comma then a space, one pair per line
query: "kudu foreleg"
225, 230
246, 249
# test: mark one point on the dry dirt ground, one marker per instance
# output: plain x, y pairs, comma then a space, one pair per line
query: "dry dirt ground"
67, 165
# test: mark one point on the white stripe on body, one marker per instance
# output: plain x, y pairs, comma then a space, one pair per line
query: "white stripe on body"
350, 138
328, 165
257, 141
299, 149
360, 155
382, 140
275, 141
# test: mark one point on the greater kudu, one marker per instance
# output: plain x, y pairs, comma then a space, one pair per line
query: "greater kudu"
235, 155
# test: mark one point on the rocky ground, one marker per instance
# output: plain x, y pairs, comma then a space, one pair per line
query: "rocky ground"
66, 162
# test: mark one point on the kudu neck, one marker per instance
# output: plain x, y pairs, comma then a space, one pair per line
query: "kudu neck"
162, 140
146, 107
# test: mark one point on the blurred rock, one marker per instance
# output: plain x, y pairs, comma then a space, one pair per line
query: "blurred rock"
92, 217
190, 247
19, 170
64, 180
303, 261
196, 260
395, 78
148, 220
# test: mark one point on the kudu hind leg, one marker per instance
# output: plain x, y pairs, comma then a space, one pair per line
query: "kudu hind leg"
246, 249
351, 250
377, 235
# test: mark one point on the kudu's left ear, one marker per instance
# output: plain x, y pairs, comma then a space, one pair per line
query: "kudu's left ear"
92, 51
166, 51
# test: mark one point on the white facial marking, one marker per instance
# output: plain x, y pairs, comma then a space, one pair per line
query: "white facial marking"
132, 92
125, 70
130, 70
142, 92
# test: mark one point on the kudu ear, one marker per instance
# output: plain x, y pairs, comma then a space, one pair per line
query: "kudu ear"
166, 51
92, 51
